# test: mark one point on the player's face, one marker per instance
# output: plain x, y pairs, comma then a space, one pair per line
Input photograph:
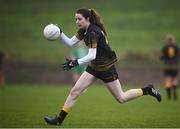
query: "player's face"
170, 41
81, 21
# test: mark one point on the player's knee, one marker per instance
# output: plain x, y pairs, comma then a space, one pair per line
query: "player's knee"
121, 99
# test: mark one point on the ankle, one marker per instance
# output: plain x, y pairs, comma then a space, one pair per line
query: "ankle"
146, 90
62, 116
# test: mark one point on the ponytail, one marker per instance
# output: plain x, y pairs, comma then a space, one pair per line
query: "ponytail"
93, 16
96, 19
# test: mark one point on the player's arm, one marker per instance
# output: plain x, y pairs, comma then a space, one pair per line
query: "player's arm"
69, 64
69, 41
162, 57
92, 45
178, 53
75, 39
89, 57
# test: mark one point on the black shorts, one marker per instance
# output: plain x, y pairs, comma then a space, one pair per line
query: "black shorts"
106, 76
171, 72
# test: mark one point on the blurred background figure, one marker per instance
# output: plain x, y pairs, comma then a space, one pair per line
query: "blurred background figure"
78, 52
170, 55
2, 79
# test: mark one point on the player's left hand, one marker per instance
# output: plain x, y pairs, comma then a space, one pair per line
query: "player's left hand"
69, 64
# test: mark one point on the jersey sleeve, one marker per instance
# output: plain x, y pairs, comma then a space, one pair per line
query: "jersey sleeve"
92, 40
80, 34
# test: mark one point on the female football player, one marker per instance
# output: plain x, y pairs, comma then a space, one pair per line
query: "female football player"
170, 55
101, 59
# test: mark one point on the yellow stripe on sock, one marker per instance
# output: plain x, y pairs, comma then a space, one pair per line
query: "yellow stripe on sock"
66, 109
140, 92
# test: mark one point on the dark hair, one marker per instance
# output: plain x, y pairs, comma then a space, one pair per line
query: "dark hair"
93, 16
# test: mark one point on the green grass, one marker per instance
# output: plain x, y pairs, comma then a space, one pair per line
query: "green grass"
26, 105
133, 25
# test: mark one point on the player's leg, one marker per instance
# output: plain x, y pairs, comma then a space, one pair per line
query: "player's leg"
84, 81
168, 86
174, 83
116, 90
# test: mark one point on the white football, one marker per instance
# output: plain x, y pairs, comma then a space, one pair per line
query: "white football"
51, 32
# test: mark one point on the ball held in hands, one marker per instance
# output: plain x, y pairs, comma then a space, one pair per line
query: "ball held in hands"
51, 32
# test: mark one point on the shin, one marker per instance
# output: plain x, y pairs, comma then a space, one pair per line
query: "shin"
84, 81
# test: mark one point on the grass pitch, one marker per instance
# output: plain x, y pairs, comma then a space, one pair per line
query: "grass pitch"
26, 105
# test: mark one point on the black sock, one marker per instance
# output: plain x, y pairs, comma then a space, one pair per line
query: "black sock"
146, 90
168, 91
174, 92
62, 116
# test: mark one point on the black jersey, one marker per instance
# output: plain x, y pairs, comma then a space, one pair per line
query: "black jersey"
95, 38
170, 54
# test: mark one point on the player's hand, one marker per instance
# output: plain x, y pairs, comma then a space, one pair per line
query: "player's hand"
69, 64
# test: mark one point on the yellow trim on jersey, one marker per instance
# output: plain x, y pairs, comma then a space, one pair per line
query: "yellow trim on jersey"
66, 109
94, 44
104, 68
140, 92
103, 65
